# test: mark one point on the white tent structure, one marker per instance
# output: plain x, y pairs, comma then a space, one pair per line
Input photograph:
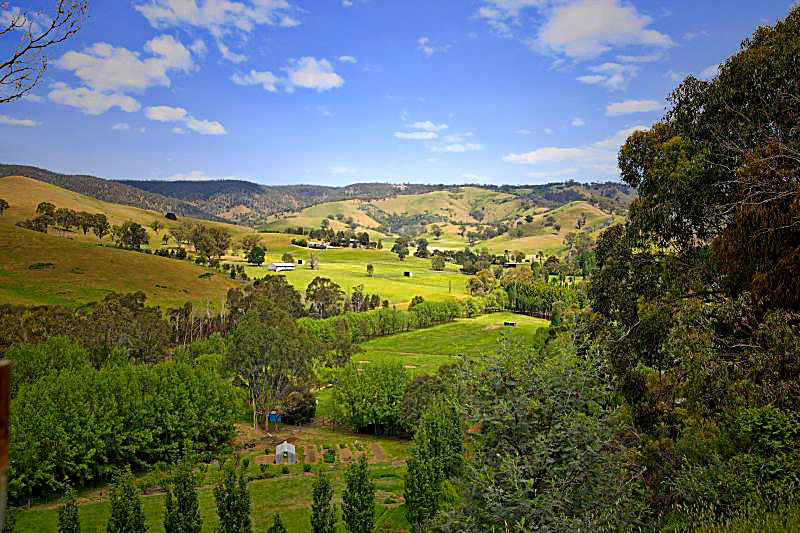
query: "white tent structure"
285, 454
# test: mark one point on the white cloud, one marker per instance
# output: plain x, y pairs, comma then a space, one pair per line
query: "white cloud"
578, 29
425, 46
613, 76
524, 131
578, 122
548, 131
347, 59
178, 131
343, 170
90, 101
266, 79
104, 67
427, 125
675, 76
230, 55
11, 121
631, 106
198, 48
121, 126
458, 147
457, 137
709, 72
416, 135
646, 58
692, 35
347, 3
219, 17
178, 114
583, 29
600, 152
311, 73
324, 111
34, 98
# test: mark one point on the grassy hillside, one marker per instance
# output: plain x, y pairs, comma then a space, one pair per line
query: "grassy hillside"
74, 269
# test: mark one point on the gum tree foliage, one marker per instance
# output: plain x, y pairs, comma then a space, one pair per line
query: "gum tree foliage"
697, 298
130, 235
548, 453
126, 506
233, 499
358, 499
255, 256
324, 297
3, 206
323, 512
269, 354
55, 356
182, 512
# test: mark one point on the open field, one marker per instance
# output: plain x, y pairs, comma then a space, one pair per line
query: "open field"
348, 268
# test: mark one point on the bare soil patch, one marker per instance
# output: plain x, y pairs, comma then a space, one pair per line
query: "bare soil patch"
378, 455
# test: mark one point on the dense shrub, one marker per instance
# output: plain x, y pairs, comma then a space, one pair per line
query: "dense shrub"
299, 407
76, 427
34, 361
537, 298
371, 401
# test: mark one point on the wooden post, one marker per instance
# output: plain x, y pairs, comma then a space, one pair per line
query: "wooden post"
5, 405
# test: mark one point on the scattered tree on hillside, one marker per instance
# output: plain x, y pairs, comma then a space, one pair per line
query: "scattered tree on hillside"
233, 499
370, 270
45, 208
130, 235
100, 225
358, 499
438, 263
34, 33
85, 221
3, 206
324, 298
249, 241
255, 256
325, 224
68, 521
380, 244
323, 512
422, 249
313, 262
182, 511
126, 506
528, 218
437, 231
287, 258
156, 226
165, 239
210, 241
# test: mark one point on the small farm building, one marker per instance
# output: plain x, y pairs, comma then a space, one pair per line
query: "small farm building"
285, 454
280, 267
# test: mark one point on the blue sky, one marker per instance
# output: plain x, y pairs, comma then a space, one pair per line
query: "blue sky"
341, 91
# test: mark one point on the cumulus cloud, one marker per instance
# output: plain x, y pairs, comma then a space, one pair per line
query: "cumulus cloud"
266, 79
306, 72
425, 46
578, 122
219, 17
11, 121
347, 59
524, 131
104, 67
612, 76
631, 106
427, 125
121, 126
577, 29
178, 114
709, 72
310, 73
91, 101
458, 147
36, 99
602, 152
416, 135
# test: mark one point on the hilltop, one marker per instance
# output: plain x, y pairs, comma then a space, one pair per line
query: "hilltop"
371, 205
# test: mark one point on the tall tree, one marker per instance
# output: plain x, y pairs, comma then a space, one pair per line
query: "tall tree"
3, 206
25, 67
126, 506
269, 353
182, 511
156, 226
358, 499
324, 298
100, 225
233, 499
277, 525
323, 512
68, 521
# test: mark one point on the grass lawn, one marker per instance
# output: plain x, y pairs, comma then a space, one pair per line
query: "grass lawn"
348, 268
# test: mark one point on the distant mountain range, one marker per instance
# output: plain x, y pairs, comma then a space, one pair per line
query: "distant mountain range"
251, 204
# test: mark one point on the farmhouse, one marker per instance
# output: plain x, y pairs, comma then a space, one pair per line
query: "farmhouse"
317, 245
280, 267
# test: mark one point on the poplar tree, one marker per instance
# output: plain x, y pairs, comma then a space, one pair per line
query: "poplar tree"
323, 513
68, 521
358, 500
182, 514
126, 506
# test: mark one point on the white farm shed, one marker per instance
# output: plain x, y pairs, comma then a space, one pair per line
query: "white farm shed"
280, 267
